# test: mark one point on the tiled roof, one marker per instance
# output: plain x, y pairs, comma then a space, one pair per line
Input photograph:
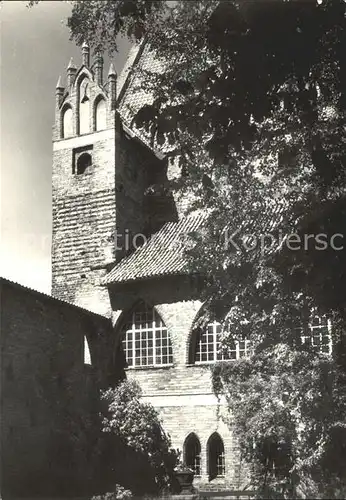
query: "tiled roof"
161, 255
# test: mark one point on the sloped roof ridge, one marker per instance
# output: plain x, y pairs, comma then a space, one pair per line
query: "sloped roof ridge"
161, 255
49, 297
132, 96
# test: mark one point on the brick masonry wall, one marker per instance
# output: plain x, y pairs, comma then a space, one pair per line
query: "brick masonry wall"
48, 395
182, 393
84, 210
108, 198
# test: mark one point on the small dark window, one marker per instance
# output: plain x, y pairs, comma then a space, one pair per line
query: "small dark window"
83, 162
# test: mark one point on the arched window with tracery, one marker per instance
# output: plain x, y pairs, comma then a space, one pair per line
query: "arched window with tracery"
206, 345
100, 115
146, 340
67, 123
192, 453
84, 106
216, 456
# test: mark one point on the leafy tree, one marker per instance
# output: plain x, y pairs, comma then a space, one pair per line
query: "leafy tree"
251, 106
288, 406
140, 451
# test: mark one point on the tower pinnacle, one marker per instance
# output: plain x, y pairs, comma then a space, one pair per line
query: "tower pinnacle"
71, 73
59, 85
111, 71
112, 85
99, 68
71, 64
59, 92
86, 54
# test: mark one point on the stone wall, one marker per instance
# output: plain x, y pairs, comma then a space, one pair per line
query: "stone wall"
48, 395
83, 220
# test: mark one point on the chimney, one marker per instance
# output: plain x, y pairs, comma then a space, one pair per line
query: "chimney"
71, 73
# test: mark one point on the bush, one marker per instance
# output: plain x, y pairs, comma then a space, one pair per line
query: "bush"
119, 494
138, 449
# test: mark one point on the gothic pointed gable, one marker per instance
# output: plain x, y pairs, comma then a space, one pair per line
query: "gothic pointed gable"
132, 95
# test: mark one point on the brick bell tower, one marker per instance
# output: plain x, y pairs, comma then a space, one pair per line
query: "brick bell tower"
85, 147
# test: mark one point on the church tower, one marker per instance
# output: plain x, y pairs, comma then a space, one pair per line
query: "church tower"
85, 138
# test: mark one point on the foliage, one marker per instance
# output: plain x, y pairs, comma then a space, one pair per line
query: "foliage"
252, 108
288, 405
119, 494
136, 427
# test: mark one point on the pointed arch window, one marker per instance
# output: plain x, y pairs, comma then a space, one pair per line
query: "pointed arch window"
216, 456
67, 123
100, 115
84, 107
87, 357
146, 340
208, 346
192, 453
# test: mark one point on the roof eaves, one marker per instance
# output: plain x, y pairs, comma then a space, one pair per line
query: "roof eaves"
133, 135
180, 272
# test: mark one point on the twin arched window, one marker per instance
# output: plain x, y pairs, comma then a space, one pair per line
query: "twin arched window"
146, 340
215, 455
99, 111
84, 118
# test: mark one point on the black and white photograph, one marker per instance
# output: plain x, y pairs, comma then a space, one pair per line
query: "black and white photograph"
173, 249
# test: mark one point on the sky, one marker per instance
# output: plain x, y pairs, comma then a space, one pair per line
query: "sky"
35, 49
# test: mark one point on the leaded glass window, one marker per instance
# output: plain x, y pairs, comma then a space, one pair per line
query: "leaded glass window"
209, 349
146, 340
